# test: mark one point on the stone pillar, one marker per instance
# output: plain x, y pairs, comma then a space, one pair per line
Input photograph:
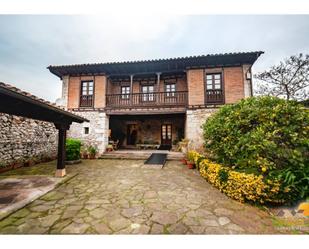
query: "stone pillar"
193, 127
65, 91
247, 81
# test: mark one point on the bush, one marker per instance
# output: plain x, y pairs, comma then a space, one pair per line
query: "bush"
73, 149
240, 186
267, 135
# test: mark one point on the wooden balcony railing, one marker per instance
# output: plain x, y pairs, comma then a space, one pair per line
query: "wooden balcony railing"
179, 98
214, 96
86, 101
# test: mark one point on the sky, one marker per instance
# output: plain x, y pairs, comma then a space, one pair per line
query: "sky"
30, 43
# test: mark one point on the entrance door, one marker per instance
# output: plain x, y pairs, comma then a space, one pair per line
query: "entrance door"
166, 134
131, 134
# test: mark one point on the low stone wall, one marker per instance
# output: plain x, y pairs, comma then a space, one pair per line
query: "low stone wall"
98, 129
25, 140
194, 122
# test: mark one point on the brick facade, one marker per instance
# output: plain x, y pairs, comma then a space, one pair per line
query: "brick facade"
233, 84
99, 91
196, 90
74, 92
235, 87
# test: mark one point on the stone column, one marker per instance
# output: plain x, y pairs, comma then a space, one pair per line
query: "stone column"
247, 77
65, 91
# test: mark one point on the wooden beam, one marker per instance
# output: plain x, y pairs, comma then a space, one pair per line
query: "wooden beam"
62, 130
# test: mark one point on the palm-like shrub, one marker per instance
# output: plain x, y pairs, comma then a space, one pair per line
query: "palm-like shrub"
263, 135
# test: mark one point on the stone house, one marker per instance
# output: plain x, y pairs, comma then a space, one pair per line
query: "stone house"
153, 101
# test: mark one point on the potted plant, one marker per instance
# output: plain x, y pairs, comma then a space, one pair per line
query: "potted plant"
190, 161
5, 167
84, 153
18, 164
184, 161
190, 165
109, 148
92, 152
183, 145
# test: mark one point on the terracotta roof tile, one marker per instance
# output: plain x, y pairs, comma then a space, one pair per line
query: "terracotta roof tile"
31, 96
157, 65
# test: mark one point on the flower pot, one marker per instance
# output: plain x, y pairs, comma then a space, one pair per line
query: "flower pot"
91, 156
7, 168
109, 149
190, 165
85, 156
184, 161
18, 165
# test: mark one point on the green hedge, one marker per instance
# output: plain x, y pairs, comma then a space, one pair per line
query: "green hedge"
263, 135
73, 149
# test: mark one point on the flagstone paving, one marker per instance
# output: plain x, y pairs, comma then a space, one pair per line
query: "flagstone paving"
125, 197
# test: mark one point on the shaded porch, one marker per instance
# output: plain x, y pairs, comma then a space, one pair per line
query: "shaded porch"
162, 131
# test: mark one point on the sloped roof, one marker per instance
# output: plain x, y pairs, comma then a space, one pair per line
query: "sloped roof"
17, 102
160, 65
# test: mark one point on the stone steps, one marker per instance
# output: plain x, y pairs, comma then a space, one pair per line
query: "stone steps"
137, 156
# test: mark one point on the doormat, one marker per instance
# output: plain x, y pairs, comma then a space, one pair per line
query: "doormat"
156, 159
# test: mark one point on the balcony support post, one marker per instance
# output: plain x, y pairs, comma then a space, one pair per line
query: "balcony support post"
158, 81
131, 88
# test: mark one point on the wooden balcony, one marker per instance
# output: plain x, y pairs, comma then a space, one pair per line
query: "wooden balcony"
214, 97
144, 100
86, 101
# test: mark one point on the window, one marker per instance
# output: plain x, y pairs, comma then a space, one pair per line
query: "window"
170, 89
213, 81
214, 93
125, 92
87, 88
148, 93
86, 130
86, 98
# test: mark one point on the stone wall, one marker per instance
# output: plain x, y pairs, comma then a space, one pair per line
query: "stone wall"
194, 121
23, 139
98, 129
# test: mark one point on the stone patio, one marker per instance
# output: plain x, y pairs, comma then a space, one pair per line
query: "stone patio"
125, 197
16, 192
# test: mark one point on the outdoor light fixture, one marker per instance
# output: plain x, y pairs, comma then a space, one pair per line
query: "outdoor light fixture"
248, 75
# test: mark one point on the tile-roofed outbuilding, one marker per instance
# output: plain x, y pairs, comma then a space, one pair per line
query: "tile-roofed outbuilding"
15, 94
14, 101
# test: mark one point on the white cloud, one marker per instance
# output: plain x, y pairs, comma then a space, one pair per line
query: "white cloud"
28, 44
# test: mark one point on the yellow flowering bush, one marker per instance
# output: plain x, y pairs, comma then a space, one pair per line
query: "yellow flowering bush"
240, 186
